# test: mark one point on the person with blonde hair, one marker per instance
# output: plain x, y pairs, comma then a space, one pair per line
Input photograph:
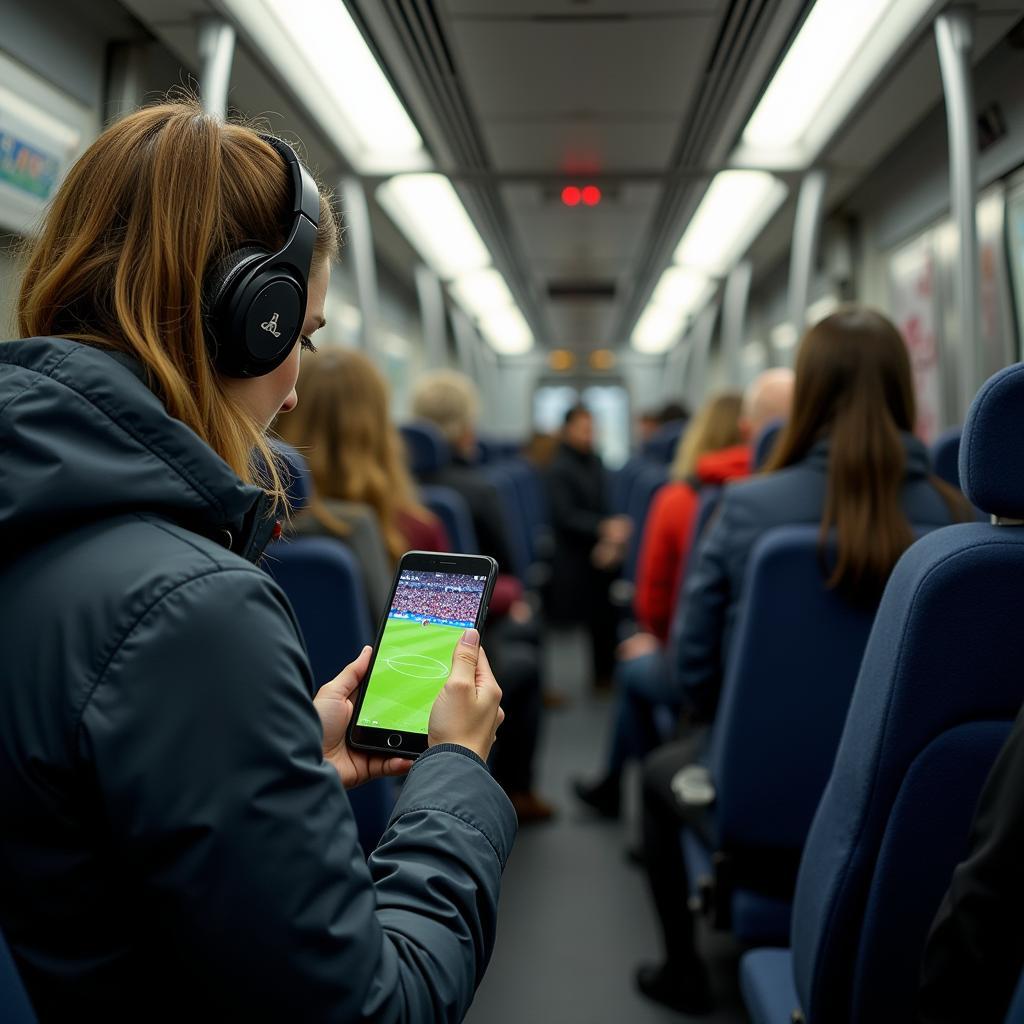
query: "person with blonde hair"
173, 794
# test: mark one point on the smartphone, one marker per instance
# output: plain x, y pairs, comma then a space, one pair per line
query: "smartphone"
434, 600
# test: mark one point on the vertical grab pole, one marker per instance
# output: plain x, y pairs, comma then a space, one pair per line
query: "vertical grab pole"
359, 238
217, 52
954, 39
810, 210
734, 320
431, 299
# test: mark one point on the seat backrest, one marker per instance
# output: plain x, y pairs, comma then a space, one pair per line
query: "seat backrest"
946, 456
764, 443
620, 483
426, 448
710, 495
939, 686
450, 507
14, 1005
322, 581
515, 526
646, 484
794, 660
298, 479
661, 446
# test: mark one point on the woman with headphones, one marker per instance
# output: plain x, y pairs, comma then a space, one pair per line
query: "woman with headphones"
176, 839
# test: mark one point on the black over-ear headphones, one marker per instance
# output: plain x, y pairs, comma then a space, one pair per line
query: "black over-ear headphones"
255, 300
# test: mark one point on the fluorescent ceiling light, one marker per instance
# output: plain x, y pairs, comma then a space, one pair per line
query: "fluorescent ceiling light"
821, 308
482, 292
784, 336
507, 331
321, 54
841, 49
683, 290
657, 329
431, 215
733, 212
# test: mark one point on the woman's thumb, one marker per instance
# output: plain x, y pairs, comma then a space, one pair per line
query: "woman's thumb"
464, 658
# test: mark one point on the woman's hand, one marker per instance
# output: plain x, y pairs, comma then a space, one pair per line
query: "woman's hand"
333, 703
468, 709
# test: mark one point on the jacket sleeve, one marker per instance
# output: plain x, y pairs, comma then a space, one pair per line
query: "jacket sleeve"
661, 552
975, 952
704, 608
206, 753
567, 515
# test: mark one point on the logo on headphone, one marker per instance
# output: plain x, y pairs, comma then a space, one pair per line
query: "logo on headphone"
270, 326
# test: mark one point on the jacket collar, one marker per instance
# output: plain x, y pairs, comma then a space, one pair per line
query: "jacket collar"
918, 462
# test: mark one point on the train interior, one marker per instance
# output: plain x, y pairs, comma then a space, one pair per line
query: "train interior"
628, 204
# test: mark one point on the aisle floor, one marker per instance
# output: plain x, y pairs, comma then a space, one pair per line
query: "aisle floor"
575, 918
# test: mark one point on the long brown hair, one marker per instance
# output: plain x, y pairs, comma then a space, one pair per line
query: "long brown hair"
341, 425
160, 196
716, 426
854, 386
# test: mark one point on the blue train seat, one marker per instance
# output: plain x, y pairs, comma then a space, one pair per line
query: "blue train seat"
764, 443
425, 447
1015, 1014
939, 688
515, 527
620, 483
946, 455
15, 1007
661, 446
298, 482
322, 581
797, 650
647, 483
450, 507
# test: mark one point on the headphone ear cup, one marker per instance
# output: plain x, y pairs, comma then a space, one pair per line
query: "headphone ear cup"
218, 291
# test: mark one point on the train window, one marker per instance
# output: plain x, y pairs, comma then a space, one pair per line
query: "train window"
610, 406
1015, 227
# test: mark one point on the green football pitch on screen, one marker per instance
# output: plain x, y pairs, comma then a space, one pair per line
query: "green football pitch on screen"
412, 665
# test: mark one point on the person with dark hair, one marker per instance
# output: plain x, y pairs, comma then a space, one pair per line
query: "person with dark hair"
847, 460
589, 544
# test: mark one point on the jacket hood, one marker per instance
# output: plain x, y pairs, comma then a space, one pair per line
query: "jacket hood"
82, 437
725, 464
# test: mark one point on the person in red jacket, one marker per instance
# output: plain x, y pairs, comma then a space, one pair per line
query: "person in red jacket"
714, 450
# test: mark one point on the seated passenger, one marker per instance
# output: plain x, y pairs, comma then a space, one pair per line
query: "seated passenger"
713, 450
975, 952
176, 840
847, 459
355, 454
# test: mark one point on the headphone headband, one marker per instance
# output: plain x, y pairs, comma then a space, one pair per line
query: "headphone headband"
255, 300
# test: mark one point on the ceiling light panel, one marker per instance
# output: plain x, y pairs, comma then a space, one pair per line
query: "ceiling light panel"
429, 212
658, 329
683, 290
319, 51
507, 331
733, 212
482, 292
840, 50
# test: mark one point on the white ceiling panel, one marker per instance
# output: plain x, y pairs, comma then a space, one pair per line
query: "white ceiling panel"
601, 69
575, 146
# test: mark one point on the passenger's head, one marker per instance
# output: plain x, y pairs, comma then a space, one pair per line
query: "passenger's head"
672, 412
854, 388
768, 397
342, 426
450, 401
578, 429
716, 426
158, 199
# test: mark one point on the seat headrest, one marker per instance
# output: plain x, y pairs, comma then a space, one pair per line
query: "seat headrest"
991, 452
426, 448
764, 443
298, 479
946, 456
661, 445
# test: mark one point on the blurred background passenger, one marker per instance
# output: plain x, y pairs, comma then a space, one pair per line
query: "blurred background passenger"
589, 543
848, 460
648, 422
355, 453
709, 452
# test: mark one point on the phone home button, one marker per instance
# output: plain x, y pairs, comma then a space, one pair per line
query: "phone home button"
395, 740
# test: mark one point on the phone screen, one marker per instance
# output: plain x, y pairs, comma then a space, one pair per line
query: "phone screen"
428, 615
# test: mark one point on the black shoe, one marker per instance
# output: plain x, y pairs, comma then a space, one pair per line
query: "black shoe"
603, 797
685, 990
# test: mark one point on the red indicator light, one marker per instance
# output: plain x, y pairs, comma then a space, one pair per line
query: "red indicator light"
591, 195
571, 195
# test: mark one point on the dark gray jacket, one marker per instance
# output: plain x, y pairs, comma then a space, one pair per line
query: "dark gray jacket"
172, 843
714, 581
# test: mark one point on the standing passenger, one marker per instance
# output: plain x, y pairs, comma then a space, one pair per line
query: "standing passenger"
176, 838
589, 544
847, 460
